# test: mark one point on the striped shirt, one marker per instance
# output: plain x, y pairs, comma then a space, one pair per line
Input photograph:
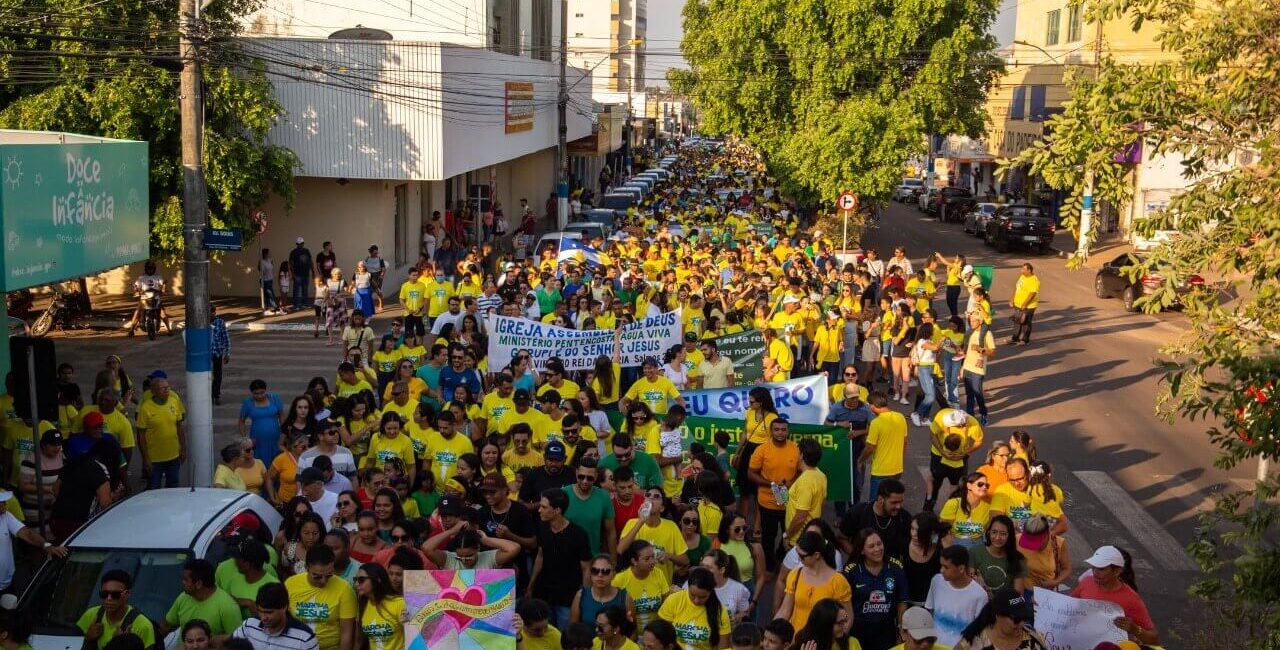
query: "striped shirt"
488, 305
295, 636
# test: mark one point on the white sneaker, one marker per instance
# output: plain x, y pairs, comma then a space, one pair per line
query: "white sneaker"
904, 401
915, 419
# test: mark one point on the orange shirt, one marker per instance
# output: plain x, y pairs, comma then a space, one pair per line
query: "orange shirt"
777, 464
996, 477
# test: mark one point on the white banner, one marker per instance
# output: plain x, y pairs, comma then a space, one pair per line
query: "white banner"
578, 349
803, 401
1075, 623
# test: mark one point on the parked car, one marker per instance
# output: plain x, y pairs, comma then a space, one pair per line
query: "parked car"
607, 217
1020, 225
953, 203
588, 230
617, 201
907, 189
1113, 280
551, 242
976, 220
149, 535
924, 196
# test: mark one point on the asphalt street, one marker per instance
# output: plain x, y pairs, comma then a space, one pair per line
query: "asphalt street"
1085, 388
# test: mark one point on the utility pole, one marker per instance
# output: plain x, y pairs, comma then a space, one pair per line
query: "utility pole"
562, 106
1085, 241
199, 442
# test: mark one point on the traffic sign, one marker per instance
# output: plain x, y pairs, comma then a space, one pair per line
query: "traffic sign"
847, 201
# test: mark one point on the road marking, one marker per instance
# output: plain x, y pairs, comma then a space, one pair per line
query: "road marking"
1142, 526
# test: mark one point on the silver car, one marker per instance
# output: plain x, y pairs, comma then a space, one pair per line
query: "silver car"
922, 199
907, 189
976, 221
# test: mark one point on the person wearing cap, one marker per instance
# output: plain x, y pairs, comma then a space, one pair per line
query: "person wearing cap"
1111, 579
94, 428
954, 435
918, 632
851, 412
539, 425
653, 388
1004, 622
51, 464
501, 518
552, 475
1045, 552
162, 433
789, 323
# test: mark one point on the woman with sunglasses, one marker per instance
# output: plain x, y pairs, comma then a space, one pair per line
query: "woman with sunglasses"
996, 466
815, 580
732, 539
284, 471
381, 611
791, 560
405, 372
1003, 624
966, 513
643, 429
731, 592
640, 579
599, 593
250, 469
348, 508
405, 535
697, 543
614, 630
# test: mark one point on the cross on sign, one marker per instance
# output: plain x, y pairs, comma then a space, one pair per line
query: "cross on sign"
847, 201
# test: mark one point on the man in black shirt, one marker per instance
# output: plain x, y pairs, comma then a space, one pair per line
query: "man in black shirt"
885, 515
503, 519
563, 555
552, 474
326, 259
301, 266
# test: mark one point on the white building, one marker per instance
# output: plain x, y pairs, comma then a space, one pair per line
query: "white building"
607, 37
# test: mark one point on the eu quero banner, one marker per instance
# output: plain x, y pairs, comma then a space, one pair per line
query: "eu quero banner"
578, 349
802, 401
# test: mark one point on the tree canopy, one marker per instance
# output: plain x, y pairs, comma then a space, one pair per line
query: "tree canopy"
1214, 105
838, 94
111, 69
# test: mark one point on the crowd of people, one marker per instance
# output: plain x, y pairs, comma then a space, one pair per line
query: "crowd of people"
424, 452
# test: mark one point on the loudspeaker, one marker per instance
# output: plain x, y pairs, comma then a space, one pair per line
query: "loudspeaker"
46, 377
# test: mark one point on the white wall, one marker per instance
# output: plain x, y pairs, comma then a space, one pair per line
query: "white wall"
450, 21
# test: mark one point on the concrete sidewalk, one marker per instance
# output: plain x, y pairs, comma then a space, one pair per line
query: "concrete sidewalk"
241, 314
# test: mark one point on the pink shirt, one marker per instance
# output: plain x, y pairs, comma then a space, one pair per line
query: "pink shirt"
1125, 597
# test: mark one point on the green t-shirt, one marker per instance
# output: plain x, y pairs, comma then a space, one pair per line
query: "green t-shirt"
240, 588
140, 626
219, 610
590, 513
223, 575
648, 474
995, 571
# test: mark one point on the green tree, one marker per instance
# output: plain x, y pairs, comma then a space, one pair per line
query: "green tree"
838, 94
1213, 103
111, 69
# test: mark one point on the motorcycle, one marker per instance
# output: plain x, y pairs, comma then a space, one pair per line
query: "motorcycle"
67, 309
150, 311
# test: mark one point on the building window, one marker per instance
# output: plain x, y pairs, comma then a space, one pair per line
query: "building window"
1073, 23
543, 45
577, 15
1017, 106
504, 26
402, 225
1055, 23
1037, 112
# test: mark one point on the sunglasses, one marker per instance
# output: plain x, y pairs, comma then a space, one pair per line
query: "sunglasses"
689, 522
361, 579
587, 477
739, 529
401, 538
601, 571
982, 485
850, 374
108, 594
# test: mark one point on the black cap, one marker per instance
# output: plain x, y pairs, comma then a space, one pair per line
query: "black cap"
51, 437
1011, 603
521, 394
310, 475
449, 506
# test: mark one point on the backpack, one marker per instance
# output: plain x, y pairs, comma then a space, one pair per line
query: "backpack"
126, 625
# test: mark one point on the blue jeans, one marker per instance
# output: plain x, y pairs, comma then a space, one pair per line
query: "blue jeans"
269, 295
164, 474
560, 616
973, 394
301, 290
951, 378
925, 375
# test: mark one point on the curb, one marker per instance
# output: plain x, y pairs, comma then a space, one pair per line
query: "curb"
232, 327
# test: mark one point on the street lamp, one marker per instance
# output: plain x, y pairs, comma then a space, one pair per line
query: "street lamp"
1052, 58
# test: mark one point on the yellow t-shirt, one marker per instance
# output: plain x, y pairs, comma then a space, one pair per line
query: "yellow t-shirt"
383, 448
438, 294
1021, 505
550, 640
413, 297
966, 527
788, 326
693, 631
805, 595
665, 537
344, 389
970, 434
160, 421
953, 274
780, 352
974, 361
417, 355
655, 393
837, 392
757, 430
322, 608
827, 338
385, 362
627, 644
1022, 290
517, 462
405, 411
888, 432
646, 593
443, 454
567, 389
493, 407
612, 396
886, 326
381, 623
537, 420
807, 493
922, 292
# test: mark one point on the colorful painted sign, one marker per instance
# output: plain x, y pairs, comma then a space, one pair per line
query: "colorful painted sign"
70, 210
460, 610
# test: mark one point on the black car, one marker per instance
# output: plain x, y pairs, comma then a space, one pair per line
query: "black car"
1020, 225
1113, 280
955, 202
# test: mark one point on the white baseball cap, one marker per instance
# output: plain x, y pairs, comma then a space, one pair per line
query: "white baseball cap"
790, 300
955, 418
968, 268
1104, 557
299, 240
918, 622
